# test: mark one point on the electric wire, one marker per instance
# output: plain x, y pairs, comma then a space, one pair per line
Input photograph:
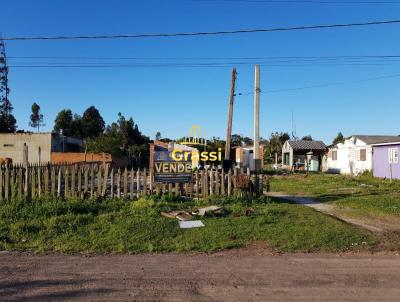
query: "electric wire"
205, 33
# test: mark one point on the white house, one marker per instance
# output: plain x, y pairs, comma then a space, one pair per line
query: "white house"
354, 155
245, 156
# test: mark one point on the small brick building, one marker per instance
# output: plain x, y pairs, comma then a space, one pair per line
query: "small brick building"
40, 146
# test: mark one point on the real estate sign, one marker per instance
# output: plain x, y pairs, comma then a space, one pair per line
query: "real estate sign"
168, 170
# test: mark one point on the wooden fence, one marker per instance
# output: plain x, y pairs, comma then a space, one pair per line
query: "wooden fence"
72, 181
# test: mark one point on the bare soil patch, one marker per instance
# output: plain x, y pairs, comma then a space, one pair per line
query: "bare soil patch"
223, 276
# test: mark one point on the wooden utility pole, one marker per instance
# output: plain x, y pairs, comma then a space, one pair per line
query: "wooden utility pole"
230, 114
257, 157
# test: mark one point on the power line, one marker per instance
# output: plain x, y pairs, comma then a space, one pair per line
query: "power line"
46, 61
335, 84
210, 33
301, 2
325, 85
202, 65
212, 58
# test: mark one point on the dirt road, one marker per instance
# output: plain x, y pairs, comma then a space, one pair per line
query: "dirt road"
227, 276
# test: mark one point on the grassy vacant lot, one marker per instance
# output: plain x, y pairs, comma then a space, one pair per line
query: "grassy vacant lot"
364, 193
123, 226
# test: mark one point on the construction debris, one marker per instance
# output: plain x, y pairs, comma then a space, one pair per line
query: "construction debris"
191, 224
180, 215
184, 216
249, 211
211, 209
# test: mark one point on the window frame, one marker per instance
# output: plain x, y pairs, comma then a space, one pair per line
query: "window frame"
393, 155
334, 155
364, 158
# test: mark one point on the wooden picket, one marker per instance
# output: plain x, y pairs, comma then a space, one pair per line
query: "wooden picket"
36, 181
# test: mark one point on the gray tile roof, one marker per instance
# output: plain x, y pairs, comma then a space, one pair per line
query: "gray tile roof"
377, 139
307, 145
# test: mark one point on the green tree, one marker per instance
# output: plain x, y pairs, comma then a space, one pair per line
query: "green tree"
248, 141
8, 123
92, 123
158, 136
36, 120
236, 140
77, 127
274, 146
121, 138
338, 139
307, 138
63, 123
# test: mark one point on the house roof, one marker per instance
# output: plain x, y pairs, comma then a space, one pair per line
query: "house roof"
377, 139
387, 144
307, 145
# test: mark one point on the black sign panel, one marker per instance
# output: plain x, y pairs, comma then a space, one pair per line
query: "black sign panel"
167, 170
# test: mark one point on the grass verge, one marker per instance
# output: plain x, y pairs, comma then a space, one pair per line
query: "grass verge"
364, 193
116, 225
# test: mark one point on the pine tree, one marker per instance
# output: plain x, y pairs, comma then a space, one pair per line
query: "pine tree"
338, 139
36, 117
7, 120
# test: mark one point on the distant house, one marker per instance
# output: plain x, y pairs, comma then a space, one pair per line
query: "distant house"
354, 155
162, 146
386, 162
303, 155
40, 146
245, 156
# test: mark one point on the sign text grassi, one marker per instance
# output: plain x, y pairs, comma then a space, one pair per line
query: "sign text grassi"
172, 163
180, 155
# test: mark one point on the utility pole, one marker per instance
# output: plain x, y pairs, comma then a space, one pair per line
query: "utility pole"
257, 159
229, 128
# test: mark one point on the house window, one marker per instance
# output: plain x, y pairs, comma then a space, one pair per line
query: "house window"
362, 155
334, 155
8, 145
393, 155
286, 159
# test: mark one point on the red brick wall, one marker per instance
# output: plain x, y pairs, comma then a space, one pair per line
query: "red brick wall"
75, 157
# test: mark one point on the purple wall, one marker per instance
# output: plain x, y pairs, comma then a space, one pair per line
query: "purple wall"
381, 166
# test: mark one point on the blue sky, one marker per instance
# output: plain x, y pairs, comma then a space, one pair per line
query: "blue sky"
170, 100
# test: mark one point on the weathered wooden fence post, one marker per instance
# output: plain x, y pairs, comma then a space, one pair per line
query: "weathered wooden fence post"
59, 182
80, 195
144, 182
20, 187
217, 182
73, 173
118, 183
86, 181
211, 183
105, 182
66, 183
112, 183
132, 184
197, 183
126, 183
92, 183
138, 183
151, 184
1, 183
33, 178
99, 177
53, 181
206, 186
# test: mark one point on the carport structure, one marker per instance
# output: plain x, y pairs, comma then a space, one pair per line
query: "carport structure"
303, 155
